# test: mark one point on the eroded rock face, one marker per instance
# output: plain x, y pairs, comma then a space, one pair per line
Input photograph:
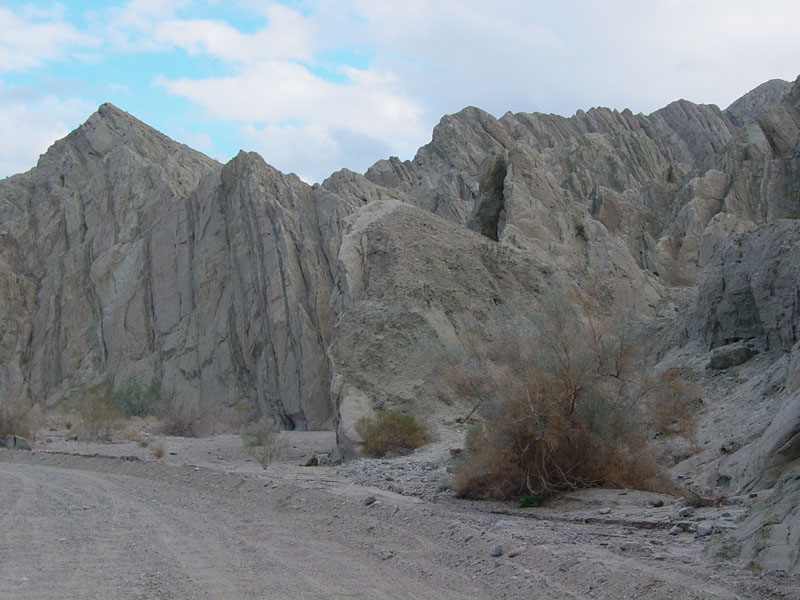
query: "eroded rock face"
401, 309
127, 254
240, 288
769, 538
751, 293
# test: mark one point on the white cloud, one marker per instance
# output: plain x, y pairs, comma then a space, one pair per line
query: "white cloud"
282, 101
428, 59
560, 56
33, 126
314, 152
141, 14
287, 35
423, 59
27, 42
130, 27
277, 91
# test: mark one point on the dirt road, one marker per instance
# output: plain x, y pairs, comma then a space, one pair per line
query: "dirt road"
99, 527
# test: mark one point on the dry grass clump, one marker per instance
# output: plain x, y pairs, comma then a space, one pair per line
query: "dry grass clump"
135, 434
560, 411
390, 432
157, 450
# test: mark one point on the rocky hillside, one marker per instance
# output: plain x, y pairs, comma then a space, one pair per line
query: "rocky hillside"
239, 288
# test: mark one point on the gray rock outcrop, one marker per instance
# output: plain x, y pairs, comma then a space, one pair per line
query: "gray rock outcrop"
751, 293
15, 442
244, 290
128, 254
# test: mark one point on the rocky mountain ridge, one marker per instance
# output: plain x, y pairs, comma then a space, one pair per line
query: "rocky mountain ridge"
245, 290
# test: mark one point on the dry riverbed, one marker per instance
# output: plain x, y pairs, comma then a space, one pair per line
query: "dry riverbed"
80, 520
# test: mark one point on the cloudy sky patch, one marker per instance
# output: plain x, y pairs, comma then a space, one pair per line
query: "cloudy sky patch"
317, 85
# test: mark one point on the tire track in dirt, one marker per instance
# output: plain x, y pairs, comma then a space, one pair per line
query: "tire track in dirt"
92, 535
77, 538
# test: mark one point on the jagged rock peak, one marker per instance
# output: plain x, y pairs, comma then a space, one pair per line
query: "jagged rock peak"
754, 101
109, 129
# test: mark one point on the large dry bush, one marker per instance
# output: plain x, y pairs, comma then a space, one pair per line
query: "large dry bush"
558, 406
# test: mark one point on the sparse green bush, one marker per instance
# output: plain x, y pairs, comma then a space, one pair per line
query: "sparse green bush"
559, 410
390, 432
99, 419
261, 439
134, 400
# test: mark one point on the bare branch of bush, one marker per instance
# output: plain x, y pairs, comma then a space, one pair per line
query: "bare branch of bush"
181, 417
671, 404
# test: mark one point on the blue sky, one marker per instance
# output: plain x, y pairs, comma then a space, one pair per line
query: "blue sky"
317, 85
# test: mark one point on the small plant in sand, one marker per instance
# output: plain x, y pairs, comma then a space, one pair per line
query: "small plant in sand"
157, 450
136, 435
390, 432
262, 440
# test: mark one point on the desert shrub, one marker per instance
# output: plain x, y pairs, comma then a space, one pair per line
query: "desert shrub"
261, 440
132, 399
390, 432
134, 434
671, 404
157, 450
180, 417
17, 417
99, 419
561, 411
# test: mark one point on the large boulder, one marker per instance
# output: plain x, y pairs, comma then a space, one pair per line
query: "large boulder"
15, 442
769, 538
